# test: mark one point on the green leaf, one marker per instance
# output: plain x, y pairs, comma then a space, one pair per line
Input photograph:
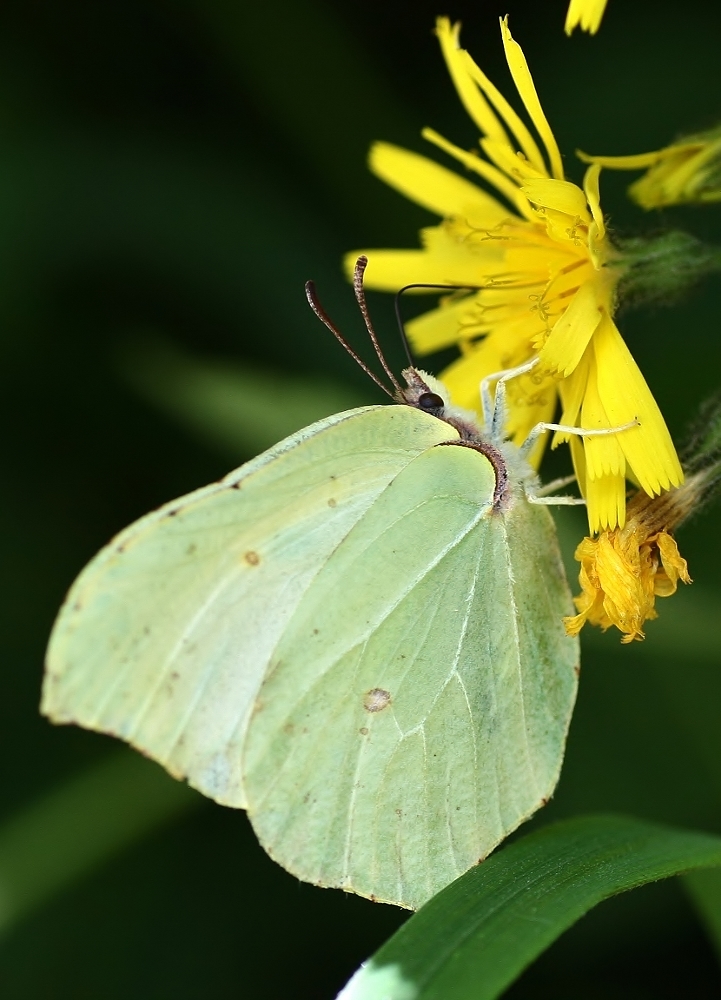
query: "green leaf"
475, 937
77, 826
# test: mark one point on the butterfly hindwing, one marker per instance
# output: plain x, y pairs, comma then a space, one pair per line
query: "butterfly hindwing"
409, 721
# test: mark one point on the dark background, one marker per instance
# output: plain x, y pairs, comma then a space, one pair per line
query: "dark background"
170, 174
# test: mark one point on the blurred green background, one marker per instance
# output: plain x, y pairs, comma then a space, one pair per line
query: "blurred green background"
170, 175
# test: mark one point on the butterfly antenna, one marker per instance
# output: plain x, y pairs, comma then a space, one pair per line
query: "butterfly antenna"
360, 265
399, 318
323, 316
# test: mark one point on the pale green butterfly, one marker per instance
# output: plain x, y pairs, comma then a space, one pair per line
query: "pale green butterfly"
356, 637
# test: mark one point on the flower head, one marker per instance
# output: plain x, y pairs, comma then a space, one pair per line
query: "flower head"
686, 172
624, 570
585, 13
538, 252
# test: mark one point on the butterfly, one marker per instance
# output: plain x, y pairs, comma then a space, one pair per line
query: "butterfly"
356, 637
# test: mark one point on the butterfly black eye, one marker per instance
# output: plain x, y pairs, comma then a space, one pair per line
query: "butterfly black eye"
430, 401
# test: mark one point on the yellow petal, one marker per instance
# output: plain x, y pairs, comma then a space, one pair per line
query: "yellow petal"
527, 92
674, 565
616, 576
574, 623
590, 600
486, 170
593, 196
572, 390
624, 602
578, 457
561, 196
587, 13
682, 174
625, 396
638, 162
511, 161
433, 186
523, 136
471, 97
572, 332
444, 326
465, 250
604, 456
389, 270
605, 501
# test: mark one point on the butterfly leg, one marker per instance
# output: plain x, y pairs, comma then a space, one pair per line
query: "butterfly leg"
494, 410
541, 496
541, 428
555, 484
562, 501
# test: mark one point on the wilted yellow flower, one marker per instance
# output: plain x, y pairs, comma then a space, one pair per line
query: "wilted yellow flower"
585, 13
685, 172
624, 570
547, 274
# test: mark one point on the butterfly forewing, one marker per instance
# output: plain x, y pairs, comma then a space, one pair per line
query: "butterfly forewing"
166, 636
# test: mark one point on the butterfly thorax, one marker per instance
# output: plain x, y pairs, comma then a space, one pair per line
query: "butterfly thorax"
512, 471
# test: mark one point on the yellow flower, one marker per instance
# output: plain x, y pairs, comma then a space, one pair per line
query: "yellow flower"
623, 571
685, 172
586, 13
547, 275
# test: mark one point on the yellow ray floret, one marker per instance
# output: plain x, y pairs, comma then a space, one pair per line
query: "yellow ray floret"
686, 172
585, 14
535, 248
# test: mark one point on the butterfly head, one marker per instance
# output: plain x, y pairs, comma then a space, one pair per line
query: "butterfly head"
426, 393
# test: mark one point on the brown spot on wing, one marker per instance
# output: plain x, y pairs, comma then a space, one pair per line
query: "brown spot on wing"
376, 700
252, 558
